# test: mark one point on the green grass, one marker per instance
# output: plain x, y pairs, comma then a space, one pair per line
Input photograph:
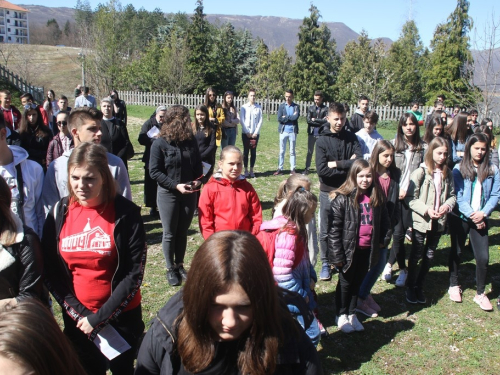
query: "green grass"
440, 337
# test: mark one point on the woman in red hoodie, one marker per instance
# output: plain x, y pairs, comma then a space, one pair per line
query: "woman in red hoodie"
229, 201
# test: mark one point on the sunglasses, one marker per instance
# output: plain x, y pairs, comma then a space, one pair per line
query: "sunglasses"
30, 106
63, 123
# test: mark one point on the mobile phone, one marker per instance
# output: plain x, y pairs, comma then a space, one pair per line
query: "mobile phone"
189, 185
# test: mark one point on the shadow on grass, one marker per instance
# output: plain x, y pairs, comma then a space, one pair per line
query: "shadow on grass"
154, 230
347, 352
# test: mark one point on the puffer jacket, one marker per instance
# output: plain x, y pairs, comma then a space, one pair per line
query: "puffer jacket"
158, 354
238, 206
421, 194
296, 279
21, 266
344, 231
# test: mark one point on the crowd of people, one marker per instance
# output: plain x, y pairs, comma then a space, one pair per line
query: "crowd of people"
248, 304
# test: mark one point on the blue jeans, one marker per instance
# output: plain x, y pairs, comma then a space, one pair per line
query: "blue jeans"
284, 138
230, 138
313, 331
372, 275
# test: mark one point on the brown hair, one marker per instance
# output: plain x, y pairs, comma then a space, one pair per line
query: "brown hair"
372, 117
400, 142
485, 129
207, 126
177, 126
231, 258
429, 135
80, 115
29, 335
229, 149
458, 130
429, 157
8, 227
485, 169
375, 191
288, 186
40, 129
383, 145
92, 155
295, 209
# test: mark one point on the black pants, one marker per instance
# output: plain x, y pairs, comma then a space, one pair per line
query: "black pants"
325, 220
128, 324
398, 252
246, 149
423, 246
150, 190
346, 294
479, 241
176, 213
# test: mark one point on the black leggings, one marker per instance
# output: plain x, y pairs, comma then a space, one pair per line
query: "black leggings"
479, 241
398, 252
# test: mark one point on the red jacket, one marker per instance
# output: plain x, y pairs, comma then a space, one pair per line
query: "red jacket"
229, 206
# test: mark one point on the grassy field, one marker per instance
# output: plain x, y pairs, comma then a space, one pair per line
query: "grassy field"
440, 337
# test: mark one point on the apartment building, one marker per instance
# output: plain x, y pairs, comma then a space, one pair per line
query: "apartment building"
13, 23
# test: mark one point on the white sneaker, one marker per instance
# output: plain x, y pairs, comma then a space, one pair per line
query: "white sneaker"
344, 324
387, 273
355, 323
401, 280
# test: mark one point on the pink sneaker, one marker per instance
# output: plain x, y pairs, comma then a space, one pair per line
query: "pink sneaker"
364, 309
371, 302
483, 302
455, 293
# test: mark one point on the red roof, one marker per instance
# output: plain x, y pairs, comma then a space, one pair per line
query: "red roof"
6, 5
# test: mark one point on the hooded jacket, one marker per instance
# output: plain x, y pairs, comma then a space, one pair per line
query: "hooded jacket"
357, 120
32, 187
55, 185
226, 205
130, 241
158, 354
344, 231
21, 266
338, 147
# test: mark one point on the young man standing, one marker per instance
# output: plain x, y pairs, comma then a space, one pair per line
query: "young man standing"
11, 114
85, 100
336, 150
316, 118
288, 128
84, 126
368, 136
357, 117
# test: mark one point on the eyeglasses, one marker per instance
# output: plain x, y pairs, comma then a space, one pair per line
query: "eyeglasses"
162, 116
30, 106
63, 123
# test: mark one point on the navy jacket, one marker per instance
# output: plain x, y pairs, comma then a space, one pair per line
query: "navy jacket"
283, 118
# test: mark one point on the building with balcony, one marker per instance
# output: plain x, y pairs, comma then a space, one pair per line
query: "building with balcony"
13, 23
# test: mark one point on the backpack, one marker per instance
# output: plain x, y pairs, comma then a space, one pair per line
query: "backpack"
267, 239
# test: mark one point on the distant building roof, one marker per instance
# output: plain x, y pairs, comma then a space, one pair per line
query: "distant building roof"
6, 5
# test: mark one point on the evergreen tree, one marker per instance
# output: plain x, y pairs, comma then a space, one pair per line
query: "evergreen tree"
260, 80
451, 60
280, 64
317, 61
406, 62
54, 30
245, 59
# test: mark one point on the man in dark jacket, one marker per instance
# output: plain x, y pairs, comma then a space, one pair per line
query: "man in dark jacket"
359, 115
147, 136
336, 150
288, 128
316, 118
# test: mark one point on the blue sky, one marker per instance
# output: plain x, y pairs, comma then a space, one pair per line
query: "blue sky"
378, 18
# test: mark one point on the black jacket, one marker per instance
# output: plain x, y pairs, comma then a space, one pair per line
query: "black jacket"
165, 162
357, 122
157, 354
22, 279
337, 147
319, 118
392, 203
130, 242
145, 140
122, 110
115, 138
344, 231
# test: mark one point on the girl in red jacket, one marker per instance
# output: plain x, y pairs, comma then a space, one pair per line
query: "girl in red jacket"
229, 201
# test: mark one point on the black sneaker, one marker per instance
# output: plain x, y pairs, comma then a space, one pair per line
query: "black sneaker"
173, 277
410, 295
419, 294
306, 172
182, 272
153, 211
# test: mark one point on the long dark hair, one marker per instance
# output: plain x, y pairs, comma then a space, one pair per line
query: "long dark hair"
177, 126
400, 143
30, 335
231, 258
8, 227
458, 129
227, 106
485, 129
295, 209
40, 129
350, 185
381, 146
467, 166
207, 126
207, 98
429, 135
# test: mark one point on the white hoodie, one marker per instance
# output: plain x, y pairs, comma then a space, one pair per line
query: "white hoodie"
32, 172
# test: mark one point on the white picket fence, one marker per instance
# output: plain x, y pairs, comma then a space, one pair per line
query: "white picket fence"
155, 99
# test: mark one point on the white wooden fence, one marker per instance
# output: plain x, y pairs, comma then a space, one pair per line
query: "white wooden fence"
155, 99
22, 85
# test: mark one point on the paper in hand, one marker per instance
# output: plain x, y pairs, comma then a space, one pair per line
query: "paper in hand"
206, 168
110, 343
153, 132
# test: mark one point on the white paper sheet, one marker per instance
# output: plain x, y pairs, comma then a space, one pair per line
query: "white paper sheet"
206, 168
110, 343
153, 132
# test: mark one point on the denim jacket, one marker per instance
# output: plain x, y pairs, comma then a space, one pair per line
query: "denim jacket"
489, 195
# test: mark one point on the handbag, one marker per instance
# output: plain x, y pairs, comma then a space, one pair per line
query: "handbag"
253, 143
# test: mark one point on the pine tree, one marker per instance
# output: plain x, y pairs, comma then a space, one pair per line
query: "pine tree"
406, 62
317, 61
280, 64
451, 60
